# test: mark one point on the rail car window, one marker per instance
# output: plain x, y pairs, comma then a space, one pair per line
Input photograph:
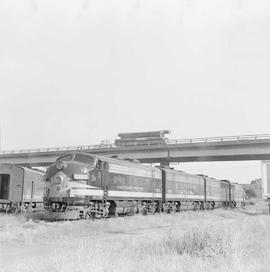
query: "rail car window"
84, 159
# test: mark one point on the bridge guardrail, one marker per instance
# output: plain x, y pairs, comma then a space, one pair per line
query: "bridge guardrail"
108, 146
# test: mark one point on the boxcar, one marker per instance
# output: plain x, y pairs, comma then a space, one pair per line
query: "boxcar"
20, 186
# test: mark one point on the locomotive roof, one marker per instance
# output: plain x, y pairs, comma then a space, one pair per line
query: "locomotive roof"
108, 159
125, 162
177, 171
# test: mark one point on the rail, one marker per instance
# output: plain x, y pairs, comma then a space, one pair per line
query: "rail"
221, 139
168, 142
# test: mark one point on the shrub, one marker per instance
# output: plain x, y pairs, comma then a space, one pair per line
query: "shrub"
199, 243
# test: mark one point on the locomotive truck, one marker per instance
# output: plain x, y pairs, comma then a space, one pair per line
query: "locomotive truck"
81, 185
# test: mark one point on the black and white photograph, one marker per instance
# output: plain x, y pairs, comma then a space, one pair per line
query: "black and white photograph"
134, 136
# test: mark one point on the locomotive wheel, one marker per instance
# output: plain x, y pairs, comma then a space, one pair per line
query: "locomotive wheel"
90, 215
201, 205
144, 211
98, 216
195, 206
12, 210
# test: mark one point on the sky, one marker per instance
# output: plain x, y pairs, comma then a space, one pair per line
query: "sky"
78, 72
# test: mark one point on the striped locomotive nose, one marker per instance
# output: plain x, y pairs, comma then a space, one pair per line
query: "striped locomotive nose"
59, 184
58, 179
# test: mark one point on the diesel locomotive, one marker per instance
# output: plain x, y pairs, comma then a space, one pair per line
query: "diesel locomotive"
81, 185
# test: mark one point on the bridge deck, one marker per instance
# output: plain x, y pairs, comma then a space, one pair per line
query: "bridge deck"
220, 139
229, 148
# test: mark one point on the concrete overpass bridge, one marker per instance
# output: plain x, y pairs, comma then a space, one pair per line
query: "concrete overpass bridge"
228, 148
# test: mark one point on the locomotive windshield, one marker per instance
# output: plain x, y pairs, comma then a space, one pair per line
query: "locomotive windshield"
68, 157
91, 161
85, 159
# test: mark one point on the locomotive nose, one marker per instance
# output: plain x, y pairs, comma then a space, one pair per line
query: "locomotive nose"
58, 181
59, 184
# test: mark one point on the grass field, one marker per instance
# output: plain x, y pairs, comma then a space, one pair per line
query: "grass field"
220, 240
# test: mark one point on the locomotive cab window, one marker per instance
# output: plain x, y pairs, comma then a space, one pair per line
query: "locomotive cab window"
85, 159
106, 166
102, 165
68, 157
99, 165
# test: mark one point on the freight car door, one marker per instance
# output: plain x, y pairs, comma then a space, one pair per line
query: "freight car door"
4, 186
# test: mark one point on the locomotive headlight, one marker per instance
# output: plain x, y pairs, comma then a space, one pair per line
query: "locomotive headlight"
59, 179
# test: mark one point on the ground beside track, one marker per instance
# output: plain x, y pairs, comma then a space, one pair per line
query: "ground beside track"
219, 240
